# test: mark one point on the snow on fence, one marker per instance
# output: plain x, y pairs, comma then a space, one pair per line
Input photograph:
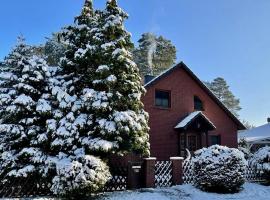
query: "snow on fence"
252, 174
32, 187
163, 173
118, 182
152, 173
19, 188
188, 176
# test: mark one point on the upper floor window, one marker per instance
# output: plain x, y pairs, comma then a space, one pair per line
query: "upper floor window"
198, 104
163, 99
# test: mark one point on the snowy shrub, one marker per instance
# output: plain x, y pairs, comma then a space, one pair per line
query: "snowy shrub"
246, 152
80, 177
261, 160
219, 169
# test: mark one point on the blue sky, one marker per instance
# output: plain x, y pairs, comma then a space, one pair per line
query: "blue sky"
224, 38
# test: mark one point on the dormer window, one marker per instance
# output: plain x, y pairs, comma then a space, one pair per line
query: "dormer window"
198, 104
162, 99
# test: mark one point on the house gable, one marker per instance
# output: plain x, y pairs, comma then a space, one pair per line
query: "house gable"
181, 65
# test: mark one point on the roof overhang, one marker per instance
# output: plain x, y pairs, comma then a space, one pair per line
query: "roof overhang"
194, 119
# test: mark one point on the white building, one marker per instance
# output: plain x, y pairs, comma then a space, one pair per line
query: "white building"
256, 137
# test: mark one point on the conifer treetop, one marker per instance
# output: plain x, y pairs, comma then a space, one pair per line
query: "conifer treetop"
113, 8
20, 39
112, 3
87, 13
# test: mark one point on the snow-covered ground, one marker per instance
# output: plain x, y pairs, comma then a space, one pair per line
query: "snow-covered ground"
251, 191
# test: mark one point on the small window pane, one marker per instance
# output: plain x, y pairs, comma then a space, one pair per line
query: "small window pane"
158, 101
198, 105
215, 139
162, 99
165, 102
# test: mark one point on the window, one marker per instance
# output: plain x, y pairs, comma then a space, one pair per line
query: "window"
198, 104
162, 99
215, 139
182, 141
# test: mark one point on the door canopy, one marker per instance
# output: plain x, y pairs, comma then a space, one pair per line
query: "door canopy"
196, 120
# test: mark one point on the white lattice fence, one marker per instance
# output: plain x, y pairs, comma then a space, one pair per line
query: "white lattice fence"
253, 174
188, 176
163, 174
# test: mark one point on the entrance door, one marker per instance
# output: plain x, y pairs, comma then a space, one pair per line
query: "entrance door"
192, 143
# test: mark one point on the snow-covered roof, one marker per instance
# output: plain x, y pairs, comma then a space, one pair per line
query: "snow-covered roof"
257, 134
187, 120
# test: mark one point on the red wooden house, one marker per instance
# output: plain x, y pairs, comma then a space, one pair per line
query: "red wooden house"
184, 113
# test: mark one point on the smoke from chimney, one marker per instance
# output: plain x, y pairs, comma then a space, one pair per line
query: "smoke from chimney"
151, 52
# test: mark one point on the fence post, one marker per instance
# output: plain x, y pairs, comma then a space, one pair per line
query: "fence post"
149, 172
177, 170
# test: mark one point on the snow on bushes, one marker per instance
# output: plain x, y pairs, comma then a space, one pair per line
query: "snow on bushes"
261, 160
85, 175
218, 168
246, 152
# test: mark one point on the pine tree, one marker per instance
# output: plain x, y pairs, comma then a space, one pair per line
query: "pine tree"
143, 55
118, 114
104, 92
82, 40
247, 124
154, 54
23, 110
76, 65
165, 55
54, 49
11, 70
222, 91
56, 123
77, 172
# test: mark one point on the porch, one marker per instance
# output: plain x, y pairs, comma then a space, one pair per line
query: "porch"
193, 132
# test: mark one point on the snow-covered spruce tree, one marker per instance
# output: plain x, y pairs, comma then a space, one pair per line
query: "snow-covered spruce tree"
54, 49
82, 40
261, 161
23, 115
115, 98
219, 169
76, 171
11, 69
